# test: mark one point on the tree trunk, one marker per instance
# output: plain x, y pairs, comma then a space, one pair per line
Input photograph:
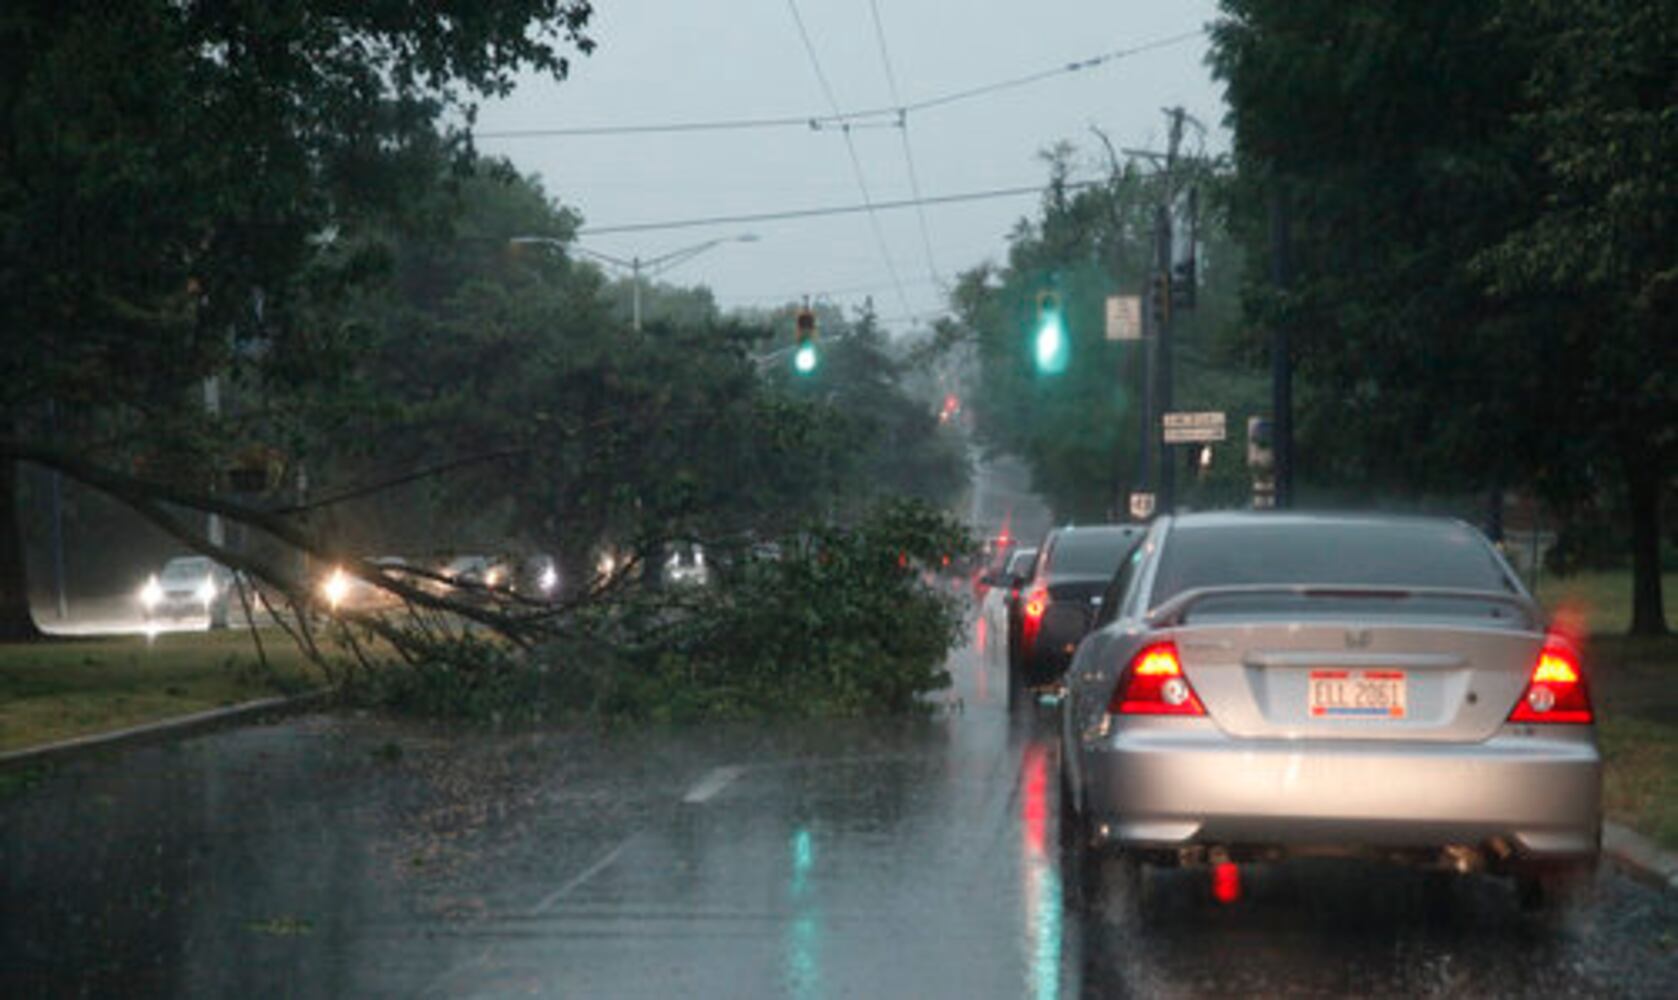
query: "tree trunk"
1643, 482
16, 623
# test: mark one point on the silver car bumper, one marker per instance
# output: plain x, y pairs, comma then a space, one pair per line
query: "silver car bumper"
1171, 783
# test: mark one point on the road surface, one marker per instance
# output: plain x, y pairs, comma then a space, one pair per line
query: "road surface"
348, 856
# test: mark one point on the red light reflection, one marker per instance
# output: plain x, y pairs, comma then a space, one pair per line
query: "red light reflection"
1034, 807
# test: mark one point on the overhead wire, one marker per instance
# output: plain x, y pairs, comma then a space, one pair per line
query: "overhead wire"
807, 213
856, 161
903, 134
891, 117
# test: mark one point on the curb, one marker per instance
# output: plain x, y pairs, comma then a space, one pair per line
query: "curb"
1639, 856
65, 751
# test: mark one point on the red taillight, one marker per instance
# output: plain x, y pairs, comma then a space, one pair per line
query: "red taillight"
1226, 882
1153, 684
1556, 691
1036, 603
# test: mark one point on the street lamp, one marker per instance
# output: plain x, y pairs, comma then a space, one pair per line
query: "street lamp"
637, 266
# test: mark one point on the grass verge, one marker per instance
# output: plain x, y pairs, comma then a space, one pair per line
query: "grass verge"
60, 688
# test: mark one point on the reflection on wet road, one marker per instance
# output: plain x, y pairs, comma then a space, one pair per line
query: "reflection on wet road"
339, 856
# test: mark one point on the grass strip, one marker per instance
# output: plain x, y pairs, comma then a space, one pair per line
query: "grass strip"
61, 688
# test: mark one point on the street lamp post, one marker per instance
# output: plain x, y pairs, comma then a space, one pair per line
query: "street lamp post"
636, 266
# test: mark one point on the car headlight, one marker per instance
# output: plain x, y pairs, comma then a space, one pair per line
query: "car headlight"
548, 580
151, 592
335, 588
207, 591
492, 578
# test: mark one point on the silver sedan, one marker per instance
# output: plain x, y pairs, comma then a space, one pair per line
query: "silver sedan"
1268, 685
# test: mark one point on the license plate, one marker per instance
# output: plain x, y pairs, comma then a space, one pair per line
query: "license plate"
1357, 694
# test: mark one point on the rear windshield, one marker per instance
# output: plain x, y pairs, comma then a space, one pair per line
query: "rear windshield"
1020, 562
1383, 554
1090, 553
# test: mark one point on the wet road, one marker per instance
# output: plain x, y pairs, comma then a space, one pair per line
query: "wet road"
345, 856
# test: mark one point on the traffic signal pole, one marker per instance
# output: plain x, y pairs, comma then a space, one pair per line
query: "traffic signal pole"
1162, 238
1281, 356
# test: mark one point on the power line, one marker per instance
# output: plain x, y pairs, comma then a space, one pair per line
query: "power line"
856, 161
1071, 67
808, 213
894, 117
903, 134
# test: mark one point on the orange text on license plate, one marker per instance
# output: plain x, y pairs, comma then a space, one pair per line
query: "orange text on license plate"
1357, 694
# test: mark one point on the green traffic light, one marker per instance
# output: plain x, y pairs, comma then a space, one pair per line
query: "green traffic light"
804, 360
1050, 349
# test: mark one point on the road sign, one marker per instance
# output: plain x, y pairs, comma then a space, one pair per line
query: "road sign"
1141, 506
1124, 317
1182, 428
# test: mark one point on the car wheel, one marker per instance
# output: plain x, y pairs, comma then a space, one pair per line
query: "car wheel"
218, 615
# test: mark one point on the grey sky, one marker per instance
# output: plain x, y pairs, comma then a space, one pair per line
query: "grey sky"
671, 61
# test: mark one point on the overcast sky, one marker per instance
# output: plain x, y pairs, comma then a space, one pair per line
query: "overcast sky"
670, 61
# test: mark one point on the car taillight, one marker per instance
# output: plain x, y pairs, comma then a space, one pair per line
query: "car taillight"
1556, 691
1153, 684
1036, 603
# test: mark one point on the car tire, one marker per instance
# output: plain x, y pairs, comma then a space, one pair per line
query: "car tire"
218, 616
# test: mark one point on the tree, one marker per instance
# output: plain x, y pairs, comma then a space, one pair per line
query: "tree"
1466, 268
167, 174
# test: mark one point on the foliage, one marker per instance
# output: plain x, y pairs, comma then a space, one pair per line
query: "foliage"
865, 387
1478, 208
838, 622
170, 178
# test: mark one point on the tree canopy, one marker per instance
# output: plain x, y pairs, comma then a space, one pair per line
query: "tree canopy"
1479, 228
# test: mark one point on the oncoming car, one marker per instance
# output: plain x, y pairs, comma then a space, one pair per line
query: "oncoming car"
1266, 685
188, 586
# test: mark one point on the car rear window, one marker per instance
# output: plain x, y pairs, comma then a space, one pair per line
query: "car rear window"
1091, 552
1351, 553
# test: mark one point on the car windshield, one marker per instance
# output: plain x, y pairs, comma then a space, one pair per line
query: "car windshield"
186, 569
1349, 553
1090, 552
1020, 562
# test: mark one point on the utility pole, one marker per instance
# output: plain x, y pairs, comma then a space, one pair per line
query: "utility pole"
1281, 354
1162, 242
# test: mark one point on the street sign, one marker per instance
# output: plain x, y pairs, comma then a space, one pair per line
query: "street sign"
1141, 506
1183, 428
1124, 317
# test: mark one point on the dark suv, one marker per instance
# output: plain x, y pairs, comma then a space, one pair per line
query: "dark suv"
1061, 598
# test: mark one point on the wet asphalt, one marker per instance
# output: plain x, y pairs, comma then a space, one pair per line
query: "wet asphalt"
345, 855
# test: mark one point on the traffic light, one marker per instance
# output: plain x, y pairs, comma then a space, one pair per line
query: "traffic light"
805, 358
1050, 348
1159, 299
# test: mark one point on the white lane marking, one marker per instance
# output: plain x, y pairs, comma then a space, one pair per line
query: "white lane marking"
719, 779
576, 880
